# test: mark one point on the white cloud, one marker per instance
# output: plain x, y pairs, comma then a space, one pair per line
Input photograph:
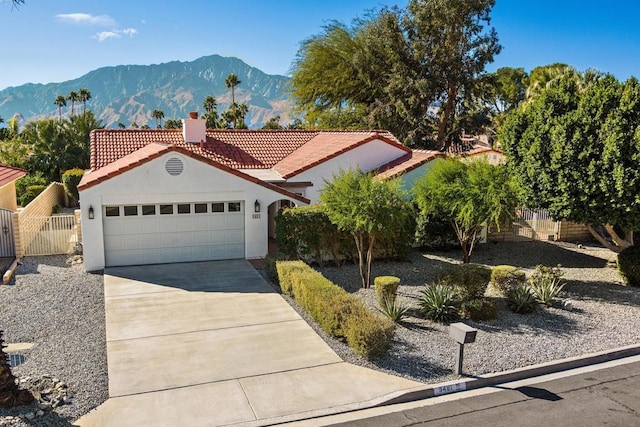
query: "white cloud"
114, 34
86, 19
106, 35
130, 32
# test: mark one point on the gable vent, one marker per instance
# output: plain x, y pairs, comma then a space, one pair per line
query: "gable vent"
174, 166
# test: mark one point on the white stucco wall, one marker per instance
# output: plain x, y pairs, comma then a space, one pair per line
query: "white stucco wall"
367, 157
150, 183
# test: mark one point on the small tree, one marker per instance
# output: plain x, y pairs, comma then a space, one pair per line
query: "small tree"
469, 196
367, 208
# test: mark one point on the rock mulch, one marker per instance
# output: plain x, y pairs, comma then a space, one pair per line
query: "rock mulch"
54, 304
604, 313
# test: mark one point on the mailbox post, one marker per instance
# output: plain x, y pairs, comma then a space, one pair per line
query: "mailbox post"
462, 334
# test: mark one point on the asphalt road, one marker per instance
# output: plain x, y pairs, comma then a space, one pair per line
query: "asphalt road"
606, 397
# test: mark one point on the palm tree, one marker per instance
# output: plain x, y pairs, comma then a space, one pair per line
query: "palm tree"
158, 115
231, 82
60, 101
209, 104
73, 97
84, 95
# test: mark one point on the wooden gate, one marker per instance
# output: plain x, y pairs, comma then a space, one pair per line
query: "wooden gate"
534, 225
52, 235
7, 242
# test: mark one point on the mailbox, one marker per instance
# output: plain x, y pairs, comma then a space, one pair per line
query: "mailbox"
462, 334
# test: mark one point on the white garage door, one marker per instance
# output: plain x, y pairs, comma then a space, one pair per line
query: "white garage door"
178, 232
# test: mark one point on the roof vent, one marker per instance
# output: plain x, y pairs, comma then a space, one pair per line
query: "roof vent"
174, 166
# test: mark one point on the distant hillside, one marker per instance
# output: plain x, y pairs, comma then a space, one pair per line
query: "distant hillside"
129, 93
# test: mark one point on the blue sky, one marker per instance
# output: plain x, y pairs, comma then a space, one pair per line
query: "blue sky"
56, 40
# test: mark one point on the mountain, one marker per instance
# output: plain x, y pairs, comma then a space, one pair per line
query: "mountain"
129, 93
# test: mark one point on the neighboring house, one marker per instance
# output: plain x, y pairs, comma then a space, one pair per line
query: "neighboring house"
489, 154
8, 177
156, 196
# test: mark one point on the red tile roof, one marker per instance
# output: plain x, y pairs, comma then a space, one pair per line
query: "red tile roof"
238, 149
407, 163
154, 150
9, 174
325, 146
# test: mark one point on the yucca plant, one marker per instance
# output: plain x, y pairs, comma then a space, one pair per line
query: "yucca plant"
545, 284
521, 300
437, 303
393, 309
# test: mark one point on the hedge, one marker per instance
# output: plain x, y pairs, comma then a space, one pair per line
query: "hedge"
469, 281
505, 278
386, 286
338, 313
70, 180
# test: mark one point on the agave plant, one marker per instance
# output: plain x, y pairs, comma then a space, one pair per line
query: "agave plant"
438, 303
545, 284
521, 300
393, 309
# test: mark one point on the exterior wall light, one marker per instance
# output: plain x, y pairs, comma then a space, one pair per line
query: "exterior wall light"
91, 212
256, 207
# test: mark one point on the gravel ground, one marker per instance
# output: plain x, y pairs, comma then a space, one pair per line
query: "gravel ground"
60, 309
605, 315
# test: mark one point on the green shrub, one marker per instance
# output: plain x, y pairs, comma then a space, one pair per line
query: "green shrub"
338, 313
437, 303
469, 281
270, 269
286, 271
504, 278
629, 265
70, 180
479, 309
30, 193
386, 287
435, 233
369, 335
521, 300
28, 181
545, 284
393, 309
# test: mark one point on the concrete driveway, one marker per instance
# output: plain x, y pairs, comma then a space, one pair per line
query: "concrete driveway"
211, 343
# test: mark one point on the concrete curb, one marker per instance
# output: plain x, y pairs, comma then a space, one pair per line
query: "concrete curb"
514, 375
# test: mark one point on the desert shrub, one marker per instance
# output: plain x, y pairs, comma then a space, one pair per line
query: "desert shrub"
369, 335
386, 287
271, 270
28, 181
338, 313
469, 281
521, 300
435, 233
30, 193
393, 309
505, 278
545, 284
70, 180
629, 265
479, 309
437, 303
286, 270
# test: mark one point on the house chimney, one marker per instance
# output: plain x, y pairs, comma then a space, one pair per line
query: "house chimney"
194, 129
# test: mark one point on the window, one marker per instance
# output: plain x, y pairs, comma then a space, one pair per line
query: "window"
200, 208
148, 209
234, 206
130, 210
112, 211
166, 209
184, 208
217, 207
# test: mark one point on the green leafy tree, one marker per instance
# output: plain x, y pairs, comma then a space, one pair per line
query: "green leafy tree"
173, 124
83, 96
73, 97
158, 115
60, 102
231, 82
236, 115
468, 195
395, 69
575, 149
273, 123
368, 209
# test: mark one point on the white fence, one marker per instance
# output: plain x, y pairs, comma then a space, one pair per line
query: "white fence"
51, 235
534, 225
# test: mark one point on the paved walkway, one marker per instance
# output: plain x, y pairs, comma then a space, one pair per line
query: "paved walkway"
211, 343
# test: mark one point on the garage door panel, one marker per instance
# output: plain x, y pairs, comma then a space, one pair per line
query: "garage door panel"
151, 239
